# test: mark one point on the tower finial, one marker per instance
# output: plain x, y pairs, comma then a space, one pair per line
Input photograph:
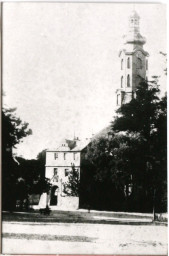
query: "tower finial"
133, 7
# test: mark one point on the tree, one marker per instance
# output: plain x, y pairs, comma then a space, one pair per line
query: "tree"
13, 131
30, 178
160, 157
43, 186
41, 159
109, 165
29, 171
146, 116
140, 114
13, 128
71, 187
32, 171
123, 170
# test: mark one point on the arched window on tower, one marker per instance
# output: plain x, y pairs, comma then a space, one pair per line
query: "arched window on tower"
136, 22
139, 63
118, 99
139, 80
128, 81
122, 64
122, 82
146, 64
128, 62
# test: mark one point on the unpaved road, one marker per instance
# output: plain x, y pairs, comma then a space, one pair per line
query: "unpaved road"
73, 238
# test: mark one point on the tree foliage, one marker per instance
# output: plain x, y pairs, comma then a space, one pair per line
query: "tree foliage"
13, 131
13, 128
131, 164
71, 187
111, 162
141, 113
33, 173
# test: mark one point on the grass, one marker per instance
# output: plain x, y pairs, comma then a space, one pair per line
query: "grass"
72, 217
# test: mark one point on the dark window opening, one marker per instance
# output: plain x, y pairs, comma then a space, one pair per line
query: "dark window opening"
128, 63
55, 174
122, 64
139, 63
128, 81
54, 196
122, 82
55, 155
146, 64
66, 172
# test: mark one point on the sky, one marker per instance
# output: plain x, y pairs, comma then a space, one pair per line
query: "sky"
61, 66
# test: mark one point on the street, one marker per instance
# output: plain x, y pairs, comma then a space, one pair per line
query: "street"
80, 238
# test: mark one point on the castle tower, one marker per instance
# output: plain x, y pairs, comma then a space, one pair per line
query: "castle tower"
133, 61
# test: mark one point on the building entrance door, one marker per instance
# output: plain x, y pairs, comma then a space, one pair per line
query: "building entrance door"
54, 195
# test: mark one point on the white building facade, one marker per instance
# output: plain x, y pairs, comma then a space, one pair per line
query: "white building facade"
59, 164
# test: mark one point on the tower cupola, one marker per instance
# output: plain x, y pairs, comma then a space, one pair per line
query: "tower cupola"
133, 36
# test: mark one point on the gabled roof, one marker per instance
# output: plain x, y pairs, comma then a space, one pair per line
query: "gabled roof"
71, 146
81, 145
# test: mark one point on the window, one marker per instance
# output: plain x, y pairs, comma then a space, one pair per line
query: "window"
74, 156
146, 64
55, 174
128, 62
122, 82
64, 156
118, 100
55, 171
135, 21
128, 81
139, 80
122, 64
66, 172
139, 63
55, 155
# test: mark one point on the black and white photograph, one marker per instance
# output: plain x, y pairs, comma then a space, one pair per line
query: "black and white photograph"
84, 128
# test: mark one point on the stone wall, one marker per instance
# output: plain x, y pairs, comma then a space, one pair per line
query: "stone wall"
68, 203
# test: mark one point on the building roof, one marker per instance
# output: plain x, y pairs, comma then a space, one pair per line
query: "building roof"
81, 145
77, 145
103, 133
71, 146
71, 143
